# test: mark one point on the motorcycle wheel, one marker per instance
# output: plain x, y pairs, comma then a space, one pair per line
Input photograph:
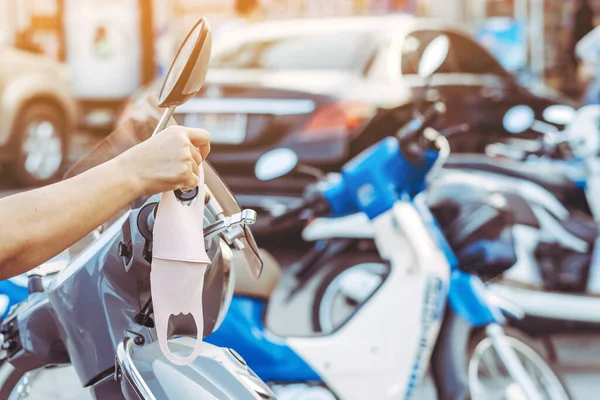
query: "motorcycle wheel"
488, 379
56, 383
351, 280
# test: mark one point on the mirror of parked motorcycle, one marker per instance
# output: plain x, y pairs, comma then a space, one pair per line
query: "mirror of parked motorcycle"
188, 70
434, 56
275, 164
559, 114
518, 119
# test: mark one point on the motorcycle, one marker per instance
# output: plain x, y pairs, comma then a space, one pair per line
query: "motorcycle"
93, 322
556, 279
413, 303
562, 163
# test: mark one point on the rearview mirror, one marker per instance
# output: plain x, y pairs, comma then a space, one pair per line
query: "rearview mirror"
518, 119
434, 56
559, 114
188, 70
275, 164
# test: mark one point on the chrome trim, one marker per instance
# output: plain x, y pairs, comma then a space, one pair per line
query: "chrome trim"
164, 119
247, 106
552, 229
246, 217
127, 369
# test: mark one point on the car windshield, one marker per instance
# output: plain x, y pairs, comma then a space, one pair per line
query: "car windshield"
329, 51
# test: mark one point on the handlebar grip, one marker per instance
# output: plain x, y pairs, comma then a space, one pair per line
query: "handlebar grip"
186, 196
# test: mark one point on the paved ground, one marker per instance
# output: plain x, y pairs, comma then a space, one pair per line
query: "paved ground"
580, 357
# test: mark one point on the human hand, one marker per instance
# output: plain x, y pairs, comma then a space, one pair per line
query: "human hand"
167, 161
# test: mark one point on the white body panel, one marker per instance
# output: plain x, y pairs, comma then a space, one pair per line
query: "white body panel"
552, 305
525, 269
355, 226
395, 331
534, 194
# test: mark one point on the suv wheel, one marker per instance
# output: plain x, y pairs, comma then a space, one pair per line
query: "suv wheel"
40, 144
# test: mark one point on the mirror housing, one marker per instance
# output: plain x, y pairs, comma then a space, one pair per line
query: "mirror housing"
275, 164
434, 56
188, 70
518, 119
559, 114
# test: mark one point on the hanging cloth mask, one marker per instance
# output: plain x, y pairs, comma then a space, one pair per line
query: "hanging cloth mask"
179, 262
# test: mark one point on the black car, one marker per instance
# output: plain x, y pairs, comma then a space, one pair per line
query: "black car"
324, 88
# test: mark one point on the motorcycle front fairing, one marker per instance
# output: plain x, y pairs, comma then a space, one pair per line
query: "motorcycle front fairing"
375, 179
380, 182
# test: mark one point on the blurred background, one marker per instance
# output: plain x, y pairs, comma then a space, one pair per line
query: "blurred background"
310, 75
90, 56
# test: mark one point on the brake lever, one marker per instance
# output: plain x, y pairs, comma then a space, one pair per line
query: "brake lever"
246, 217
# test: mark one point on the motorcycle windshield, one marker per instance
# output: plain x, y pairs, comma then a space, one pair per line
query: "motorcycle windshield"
136, 125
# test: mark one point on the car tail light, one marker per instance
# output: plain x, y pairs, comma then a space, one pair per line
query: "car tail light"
346, 117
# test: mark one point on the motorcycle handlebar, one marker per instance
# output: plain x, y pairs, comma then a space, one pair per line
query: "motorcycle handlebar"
291, 213
313, 201
409, 133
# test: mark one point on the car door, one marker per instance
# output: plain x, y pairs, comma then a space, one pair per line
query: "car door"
475, 87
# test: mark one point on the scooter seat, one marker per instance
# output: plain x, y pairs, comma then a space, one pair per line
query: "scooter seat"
261, 288
555, 183
584, 229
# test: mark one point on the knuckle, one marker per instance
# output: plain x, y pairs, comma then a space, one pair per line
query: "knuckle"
183, 170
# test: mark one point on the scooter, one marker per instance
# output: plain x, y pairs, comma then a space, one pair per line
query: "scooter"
93, 326
556, 279
563, 164
14, 290
384, 347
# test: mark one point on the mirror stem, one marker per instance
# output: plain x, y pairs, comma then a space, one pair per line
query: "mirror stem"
162, 124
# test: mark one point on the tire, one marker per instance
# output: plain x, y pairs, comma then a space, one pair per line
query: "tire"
337, 267
40, 143
553, 386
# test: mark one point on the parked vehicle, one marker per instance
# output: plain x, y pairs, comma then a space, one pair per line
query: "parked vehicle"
556, 279
96, 315
321, 88
382, 349
38, 115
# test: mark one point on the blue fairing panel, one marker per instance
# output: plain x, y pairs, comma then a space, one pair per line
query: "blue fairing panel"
375, 179
268, 355
467, 298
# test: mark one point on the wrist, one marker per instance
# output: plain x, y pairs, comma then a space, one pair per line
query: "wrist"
124, 168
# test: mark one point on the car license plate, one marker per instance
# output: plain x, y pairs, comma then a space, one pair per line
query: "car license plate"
223, 128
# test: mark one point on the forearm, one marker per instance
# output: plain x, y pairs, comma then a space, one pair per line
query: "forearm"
41, 223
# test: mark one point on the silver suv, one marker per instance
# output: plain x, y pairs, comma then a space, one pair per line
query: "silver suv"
37, 116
